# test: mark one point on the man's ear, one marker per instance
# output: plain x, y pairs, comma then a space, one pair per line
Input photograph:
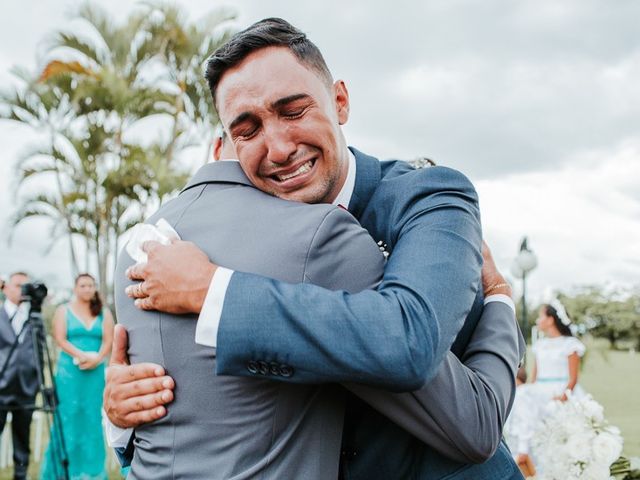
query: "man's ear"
217, 148
342, 101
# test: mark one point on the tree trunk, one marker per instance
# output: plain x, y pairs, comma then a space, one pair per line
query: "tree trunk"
63, 209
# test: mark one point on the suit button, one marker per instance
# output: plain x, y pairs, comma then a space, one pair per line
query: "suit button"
274, 368
252, 366
286, 371
263, 367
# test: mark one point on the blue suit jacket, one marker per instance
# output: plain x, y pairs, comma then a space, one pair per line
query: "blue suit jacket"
394, 337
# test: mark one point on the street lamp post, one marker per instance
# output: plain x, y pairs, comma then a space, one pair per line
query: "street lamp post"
524, 263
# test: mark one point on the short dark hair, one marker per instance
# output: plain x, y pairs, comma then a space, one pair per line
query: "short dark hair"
270, 32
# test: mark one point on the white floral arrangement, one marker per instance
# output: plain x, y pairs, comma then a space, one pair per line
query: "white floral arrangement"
576, 442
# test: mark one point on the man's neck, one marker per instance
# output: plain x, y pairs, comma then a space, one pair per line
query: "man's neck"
344, 195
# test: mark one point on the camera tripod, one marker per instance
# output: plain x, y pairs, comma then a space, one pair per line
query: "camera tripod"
35, 294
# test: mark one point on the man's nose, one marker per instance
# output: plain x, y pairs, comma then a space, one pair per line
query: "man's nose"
280, 146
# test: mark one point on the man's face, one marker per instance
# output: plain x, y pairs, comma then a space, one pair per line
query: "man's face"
284, 122
13, 288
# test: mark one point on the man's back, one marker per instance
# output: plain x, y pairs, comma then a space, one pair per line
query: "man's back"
223, 427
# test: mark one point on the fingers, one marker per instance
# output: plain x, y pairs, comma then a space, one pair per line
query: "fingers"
129, 373
145, 402
144, 303
137, 271
486, 251
136, 419
135, 393
493, 282
138, 290
119, 346
132, 393
150, 245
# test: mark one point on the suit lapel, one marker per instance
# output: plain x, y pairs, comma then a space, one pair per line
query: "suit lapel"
368, 174
219, 172
6, 330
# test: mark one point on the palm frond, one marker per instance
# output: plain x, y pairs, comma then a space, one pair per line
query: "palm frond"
58, 67
79, 45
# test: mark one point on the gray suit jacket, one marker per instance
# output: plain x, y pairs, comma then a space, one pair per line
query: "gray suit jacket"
19, 383
228, 427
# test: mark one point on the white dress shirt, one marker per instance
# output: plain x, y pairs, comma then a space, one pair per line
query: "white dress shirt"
18, 315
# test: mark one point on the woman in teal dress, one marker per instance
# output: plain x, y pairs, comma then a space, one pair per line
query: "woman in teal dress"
83, 330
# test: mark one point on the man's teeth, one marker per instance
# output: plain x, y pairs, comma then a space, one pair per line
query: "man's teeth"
303, 169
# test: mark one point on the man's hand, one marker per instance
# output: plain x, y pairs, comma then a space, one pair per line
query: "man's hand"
134, 394
175, 278
493, 282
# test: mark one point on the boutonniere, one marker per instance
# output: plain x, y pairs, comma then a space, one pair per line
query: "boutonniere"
383, 247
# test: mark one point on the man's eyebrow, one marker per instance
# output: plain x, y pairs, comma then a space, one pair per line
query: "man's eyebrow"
286, 100
239, 119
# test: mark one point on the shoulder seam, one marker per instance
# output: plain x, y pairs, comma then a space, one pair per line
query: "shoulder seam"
313, 238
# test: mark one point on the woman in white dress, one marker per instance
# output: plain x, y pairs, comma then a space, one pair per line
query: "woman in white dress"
557, 356
555, 373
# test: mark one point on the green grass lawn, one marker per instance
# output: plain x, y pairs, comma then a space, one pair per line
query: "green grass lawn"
613, 378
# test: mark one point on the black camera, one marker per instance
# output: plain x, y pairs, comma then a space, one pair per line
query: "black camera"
35, 293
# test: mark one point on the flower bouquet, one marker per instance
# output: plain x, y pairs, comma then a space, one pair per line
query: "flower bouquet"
575, 441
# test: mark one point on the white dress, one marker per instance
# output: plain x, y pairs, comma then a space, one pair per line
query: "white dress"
552, 366
532, 400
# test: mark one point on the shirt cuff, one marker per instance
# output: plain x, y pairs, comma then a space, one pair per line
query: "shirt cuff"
209, 319
116, 437
499, 297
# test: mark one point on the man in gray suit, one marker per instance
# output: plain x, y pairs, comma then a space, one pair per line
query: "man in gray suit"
221, 427
226, 427
19, 381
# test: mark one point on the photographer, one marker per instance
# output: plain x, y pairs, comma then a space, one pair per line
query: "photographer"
19, 381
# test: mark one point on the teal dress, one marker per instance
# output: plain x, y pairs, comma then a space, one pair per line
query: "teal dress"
80, 407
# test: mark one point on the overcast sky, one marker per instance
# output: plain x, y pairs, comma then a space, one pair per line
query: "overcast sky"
538, 102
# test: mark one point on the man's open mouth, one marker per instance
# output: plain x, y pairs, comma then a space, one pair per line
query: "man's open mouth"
302, 169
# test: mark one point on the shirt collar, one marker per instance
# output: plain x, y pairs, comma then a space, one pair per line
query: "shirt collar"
10, 307
344, 197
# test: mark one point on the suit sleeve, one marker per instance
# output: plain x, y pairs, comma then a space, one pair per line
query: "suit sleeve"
343, 256
393, 337
461, 412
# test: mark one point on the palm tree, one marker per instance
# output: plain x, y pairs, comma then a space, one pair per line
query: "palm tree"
108, 90
88, 97
44, 109
183, 49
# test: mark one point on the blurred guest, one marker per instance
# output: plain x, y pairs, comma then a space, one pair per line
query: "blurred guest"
554, 378
83, 329
18, 376
520, 425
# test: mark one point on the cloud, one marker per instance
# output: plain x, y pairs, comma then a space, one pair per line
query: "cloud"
582, 219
